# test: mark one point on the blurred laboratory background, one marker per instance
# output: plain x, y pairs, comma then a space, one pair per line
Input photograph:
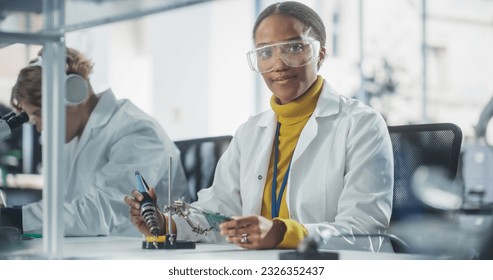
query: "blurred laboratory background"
415, 61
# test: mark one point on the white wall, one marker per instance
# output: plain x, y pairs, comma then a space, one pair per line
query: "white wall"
186, 67
201, 82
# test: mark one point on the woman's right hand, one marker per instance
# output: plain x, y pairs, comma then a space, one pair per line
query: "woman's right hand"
135, 215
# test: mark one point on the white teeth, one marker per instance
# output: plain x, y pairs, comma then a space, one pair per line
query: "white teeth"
282, 79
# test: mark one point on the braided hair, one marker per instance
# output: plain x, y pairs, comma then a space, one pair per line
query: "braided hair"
299, 11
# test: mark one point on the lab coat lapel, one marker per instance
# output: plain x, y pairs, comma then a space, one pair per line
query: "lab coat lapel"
327, 105
268, 126
98, 118
307, 135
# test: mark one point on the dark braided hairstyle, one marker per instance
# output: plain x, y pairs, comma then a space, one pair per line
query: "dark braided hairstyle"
299, 11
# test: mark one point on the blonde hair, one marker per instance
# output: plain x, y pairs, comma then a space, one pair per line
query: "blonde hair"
28, 86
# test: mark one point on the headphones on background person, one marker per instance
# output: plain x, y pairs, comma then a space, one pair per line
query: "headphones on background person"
77, 88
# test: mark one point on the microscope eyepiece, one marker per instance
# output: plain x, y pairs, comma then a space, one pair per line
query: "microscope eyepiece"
10, 121
15, 121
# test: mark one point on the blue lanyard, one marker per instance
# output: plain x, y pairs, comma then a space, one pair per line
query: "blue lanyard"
276, 201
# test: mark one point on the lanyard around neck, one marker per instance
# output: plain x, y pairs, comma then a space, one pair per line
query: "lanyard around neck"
276, 200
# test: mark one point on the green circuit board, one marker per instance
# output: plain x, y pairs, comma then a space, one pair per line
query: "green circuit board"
215, 219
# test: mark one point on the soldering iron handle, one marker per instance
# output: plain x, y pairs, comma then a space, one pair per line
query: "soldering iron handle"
147, 208
147, 200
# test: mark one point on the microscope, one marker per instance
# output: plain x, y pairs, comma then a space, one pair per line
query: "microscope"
11, 121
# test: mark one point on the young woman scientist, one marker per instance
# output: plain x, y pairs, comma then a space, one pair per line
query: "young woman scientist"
107, 141
317, 162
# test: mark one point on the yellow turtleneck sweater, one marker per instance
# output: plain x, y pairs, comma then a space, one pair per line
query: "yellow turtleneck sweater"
292, 117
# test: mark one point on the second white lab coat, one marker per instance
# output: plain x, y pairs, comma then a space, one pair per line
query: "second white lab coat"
117, 140
341, 179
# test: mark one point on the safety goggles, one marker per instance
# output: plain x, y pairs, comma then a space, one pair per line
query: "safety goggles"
294, 53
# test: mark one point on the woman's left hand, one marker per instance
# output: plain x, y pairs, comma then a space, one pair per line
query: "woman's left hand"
253, 232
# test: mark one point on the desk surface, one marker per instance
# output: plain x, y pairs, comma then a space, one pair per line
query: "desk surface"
130, 248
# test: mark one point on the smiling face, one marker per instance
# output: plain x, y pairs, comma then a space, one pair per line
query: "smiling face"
286, 83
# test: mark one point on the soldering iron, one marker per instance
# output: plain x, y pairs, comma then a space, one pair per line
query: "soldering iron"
147, 208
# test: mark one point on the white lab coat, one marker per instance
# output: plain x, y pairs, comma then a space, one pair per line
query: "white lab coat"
341, 178
117, 140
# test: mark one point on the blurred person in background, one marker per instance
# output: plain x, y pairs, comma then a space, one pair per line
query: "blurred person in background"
107, 140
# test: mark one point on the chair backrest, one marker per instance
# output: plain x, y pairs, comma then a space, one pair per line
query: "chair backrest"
199, 157
437, 144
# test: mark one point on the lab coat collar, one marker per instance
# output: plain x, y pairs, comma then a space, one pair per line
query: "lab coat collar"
101, 113
327, 105
328, 102
100, 116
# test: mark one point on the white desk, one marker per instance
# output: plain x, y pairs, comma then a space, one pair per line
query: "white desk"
126, 248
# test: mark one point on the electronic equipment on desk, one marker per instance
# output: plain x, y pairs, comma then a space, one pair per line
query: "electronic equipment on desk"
147, 208
477, 158
178, 207
446, 230
308, 249
149, 213
183, 210
478, 178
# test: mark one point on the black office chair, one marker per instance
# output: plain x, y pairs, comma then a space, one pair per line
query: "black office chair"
437, 144
199, 157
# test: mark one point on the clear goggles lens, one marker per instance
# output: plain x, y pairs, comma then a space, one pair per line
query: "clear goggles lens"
293, 53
